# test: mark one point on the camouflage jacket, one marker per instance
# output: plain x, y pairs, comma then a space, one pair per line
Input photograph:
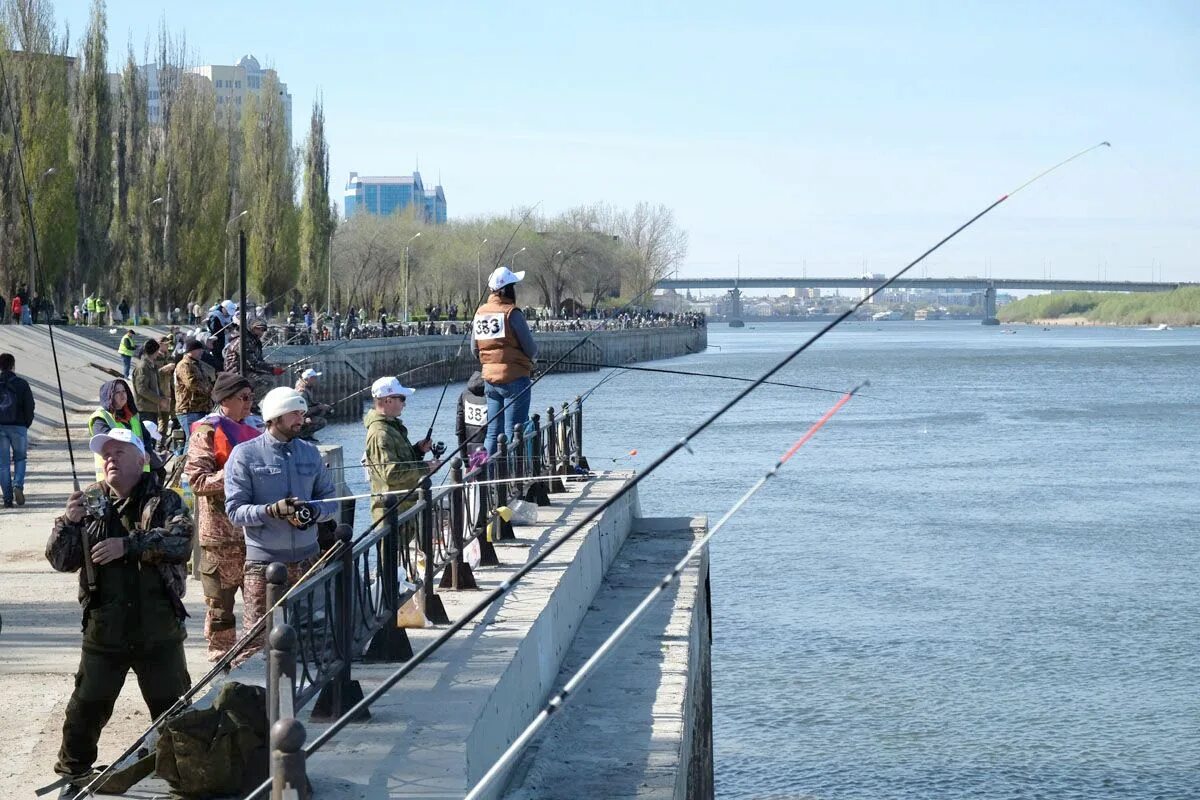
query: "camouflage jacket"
193, 386
254, 356
147, 390
136, 600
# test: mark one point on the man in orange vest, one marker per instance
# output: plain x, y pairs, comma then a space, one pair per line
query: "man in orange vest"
506, 351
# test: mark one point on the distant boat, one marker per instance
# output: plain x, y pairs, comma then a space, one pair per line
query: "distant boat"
736, 323
1162, 326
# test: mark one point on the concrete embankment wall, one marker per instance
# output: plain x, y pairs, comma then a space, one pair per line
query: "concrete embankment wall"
348, 367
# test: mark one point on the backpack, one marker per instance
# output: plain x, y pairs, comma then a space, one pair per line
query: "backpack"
217, 751
9, 403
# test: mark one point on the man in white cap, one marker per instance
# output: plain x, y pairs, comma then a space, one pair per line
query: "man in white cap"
394, 463
315, 419
131, 578
506, 351
275, 486
219, 318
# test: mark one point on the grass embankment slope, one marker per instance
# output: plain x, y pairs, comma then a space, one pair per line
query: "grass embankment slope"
1179, 307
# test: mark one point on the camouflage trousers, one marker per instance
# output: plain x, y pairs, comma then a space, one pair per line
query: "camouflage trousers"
254, 597
221, 568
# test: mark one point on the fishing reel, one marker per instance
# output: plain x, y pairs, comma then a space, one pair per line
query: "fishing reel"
438, 449
96, 503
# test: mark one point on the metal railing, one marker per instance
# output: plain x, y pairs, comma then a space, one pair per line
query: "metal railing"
348, 610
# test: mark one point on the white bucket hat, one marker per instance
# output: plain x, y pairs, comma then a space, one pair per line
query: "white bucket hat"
281, 400
390, 387
503, 276
310, 373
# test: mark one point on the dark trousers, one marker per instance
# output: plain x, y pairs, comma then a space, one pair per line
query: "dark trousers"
162, 676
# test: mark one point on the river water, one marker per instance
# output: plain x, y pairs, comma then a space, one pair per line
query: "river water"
978, 581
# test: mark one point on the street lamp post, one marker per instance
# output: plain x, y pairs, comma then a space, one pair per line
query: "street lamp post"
137, 278
225, 266
479, 267
32, 248
513, 261
407, 274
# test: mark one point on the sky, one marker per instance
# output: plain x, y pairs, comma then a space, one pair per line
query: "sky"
792, 138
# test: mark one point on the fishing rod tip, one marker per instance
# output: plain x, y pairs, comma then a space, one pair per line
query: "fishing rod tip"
1106, 144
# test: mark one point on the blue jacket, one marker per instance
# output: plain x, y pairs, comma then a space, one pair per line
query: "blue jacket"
264, 470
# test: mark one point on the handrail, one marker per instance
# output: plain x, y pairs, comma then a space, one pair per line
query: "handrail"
347, 611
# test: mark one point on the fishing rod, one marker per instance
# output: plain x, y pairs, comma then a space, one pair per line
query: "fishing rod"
467, 485
406, 372
40, 275
684, 443
223, 663
617, 371
609, 644
705, 375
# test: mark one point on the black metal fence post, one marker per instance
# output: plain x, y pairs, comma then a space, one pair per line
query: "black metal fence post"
342, 692
538, 490
435, 612
281, 670
552, 447
457, 575
487, 551
503, 531
389, 643
582, 459
288, 778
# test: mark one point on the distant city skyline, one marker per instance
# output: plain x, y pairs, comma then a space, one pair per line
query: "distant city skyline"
780, 133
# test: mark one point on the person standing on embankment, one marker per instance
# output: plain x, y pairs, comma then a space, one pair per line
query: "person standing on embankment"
506, 351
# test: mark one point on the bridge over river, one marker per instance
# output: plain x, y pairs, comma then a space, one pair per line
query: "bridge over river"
988, 286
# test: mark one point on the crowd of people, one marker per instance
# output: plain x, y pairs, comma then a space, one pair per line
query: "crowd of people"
190, 406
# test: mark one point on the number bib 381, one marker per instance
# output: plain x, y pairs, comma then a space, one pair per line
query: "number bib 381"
489, 326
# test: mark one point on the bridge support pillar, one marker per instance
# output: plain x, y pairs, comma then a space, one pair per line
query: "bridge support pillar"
989, 306
735, 306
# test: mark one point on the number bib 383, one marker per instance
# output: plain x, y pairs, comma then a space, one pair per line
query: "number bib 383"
489, 326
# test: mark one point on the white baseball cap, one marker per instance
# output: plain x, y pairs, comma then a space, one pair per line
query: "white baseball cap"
310, 373
122, 435
152, 429
281, 400
503, 276
390, 387
228, 306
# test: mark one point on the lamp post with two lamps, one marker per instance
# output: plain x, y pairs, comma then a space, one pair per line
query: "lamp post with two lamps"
407, 274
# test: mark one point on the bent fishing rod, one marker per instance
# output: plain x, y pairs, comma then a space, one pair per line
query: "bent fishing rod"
683, 444
40, 277
222, 664
585, 671
705, 375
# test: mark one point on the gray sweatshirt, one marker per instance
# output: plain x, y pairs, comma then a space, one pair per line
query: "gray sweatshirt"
260, 472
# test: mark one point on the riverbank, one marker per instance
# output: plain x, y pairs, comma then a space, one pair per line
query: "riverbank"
1178, 308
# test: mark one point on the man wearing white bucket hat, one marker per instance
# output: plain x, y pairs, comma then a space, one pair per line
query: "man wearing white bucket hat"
506, 351
393, 461
275, 489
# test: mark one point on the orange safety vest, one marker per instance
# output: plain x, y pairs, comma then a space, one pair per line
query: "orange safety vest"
500, 353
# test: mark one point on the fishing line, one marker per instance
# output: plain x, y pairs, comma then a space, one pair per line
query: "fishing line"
683, 443
40, 275
606, 647
711, 375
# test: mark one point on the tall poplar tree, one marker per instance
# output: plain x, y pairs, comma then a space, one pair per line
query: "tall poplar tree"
92, 156
316, 216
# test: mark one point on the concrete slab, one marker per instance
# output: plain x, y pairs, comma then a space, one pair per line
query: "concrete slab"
638, 726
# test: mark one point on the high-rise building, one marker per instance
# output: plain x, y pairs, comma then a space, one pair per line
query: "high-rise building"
382, 195
230, 83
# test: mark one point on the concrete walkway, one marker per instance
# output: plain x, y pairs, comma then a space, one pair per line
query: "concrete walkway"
39, 642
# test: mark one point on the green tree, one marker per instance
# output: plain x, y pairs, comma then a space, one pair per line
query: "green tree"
316, 217
267, 184
92, 157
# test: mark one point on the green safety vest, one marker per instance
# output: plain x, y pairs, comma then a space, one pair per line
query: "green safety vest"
126, 347
101, 305
135, 425
89, 304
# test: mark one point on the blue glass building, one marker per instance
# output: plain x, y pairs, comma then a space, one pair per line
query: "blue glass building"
383, 195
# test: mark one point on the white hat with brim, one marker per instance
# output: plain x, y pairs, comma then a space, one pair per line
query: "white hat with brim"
152, 429
122, 435
282, 400
310, 373
390, 387
503, 276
